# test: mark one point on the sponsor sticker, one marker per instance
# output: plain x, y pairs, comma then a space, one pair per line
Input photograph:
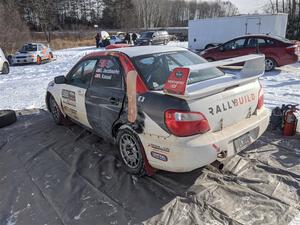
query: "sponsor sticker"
157, 147
177, 81
69, 97
159, 156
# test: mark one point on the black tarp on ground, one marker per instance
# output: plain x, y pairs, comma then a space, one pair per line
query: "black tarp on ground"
64, 175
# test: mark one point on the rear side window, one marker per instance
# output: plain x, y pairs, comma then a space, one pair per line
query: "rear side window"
253, 42
108, 73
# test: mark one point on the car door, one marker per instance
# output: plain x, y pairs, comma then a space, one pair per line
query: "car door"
105, 96
155, 39
74, 91
234, 48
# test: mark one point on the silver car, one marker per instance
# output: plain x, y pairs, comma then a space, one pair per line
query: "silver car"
32, 53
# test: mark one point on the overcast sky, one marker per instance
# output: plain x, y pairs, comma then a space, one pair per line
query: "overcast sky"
249, 6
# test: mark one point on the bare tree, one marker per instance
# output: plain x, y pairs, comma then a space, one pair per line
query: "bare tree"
13, 30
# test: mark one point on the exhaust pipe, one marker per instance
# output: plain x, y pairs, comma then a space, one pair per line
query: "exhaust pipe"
217, 165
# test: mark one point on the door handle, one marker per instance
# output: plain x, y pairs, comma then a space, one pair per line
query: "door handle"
114, 101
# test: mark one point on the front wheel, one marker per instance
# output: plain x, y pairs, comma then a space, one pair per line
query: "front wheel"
5, 69
130, 150
38, 60
269, 64
55, 111
50, 55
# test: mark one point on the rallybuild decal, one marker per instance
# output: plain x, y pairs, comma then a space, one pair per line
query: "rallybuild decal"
69, 97
231, 104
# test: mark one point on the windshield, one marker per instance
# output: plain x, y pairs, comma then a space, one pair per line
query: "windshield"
146, 35
156, 68
29, 48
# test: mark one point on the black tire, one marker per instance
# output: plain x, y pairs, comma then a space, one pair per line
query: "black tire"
165, 42
57, 115
5, 69
7, 117
39, 60
270, 64
132, 155
51, 55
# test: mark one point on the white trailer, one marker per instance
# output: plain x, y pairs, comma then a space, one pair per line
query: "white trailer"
205, 33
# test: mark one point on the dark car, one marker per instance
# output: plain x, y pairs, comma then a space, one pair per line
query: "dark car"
153, 38
278, 51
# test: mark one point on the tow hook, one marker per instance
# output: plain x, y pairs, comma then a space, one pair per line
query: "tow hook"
217, 165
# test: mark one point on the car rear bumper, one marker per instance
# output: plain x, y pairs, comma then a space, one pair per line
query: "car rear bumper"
288, 59
186, 154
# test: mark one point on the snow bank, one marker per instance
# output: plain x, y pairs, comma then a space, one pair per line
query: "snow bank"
25, 86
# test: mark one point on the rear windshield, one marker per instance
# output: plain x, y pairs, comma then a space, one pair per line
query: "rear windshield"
29, 48
283, 39
156, 68
146, 34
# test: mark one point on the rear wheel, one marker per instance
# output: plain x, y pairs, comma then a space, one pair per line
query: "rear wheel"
165, 42
269, 64
5, 69
38, 60
130, 150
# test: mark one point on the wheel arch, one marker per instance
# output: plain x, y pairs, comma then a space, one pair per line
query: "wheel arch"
148, 168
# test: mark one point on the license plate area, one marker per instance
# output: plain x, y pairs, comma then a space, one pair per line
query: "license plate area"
242, 142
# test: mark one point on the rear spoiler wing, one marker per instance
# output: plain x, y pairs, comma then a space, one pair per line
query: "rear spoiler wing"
177, 83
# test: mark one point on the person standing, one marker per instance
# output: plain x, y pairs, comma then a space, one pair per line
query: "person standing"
134, 37
97, 37
127, 38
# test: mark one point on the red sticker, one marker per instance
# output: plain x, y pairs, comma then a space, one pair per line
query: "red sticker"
177, 81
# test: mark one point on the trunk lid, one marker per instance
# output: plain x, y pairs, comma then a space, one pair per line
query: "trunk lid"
223, 100
228, 105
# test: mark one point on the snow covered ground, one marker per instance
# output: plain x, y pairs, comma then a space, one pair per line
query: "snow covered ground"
25, 86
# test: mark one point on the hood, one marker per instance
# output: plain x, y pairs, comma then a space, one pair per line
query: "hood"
25, 53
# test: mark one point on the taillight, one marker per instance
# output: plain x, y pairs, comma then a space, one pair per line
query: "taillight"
260, 102
183, 124
292, 49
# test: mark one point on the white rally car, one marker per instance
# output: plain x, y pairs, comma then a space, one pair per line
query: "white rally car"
165, 107
32, 53
4, 65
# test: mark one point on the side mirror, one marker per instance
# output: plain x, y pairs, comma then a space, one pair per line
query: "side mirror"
60, 80
221, 48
